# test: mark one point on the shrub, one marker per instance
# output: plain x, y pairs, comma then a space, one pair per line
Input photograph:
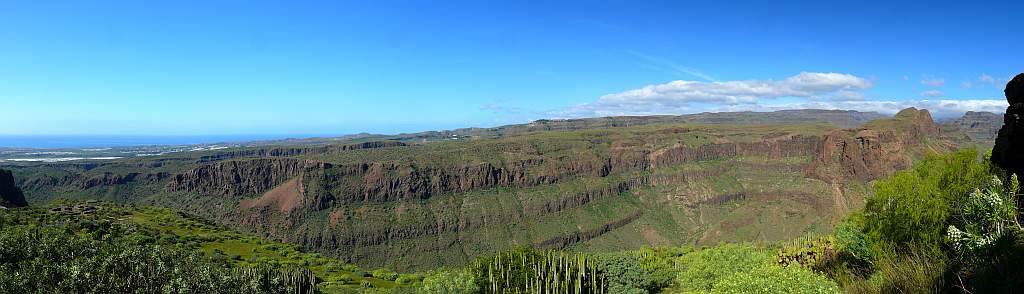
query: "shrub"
911, 272
776, 279
350, 268
984, 216
700, 270
641, 271
405, 279
385, 274
449, 282
911, 209
851, 242
346, 278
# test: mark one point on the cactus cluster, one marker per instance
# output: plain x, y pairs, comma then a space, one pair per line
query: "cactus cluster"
531, 271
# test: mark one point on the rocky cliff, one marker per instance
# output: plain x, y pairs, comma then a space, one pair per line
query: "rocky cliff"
981, 127
10, 195
1007, 152
876, 150
240, 177
294, 151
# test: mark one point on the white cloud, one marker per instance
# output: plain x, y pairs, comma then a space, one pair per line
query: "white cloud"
683, 96
806, 90
933, 93
966, 85
933, 82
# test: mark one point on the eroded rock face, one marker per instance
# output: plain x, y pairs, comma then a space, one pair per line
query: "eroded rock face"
10, 195
1009, 150
980, 126
867, 154
239, 177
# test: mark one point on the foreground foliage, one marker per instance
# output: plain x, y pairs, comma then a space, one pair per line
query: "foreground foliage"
40, 253
950, 224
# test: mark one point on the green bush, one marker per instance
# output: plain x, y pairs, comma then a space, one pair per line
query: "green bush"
738, 268
851, 241
911, 209
641, 271
385, 274
776, 279
700, 270
406, 279
449, 282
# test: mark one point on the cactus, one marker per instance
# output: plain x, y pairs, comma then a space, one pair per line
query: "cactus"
530, 271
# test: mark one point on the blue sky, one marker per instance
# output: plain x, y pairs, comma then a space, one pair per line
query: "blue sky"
338, 67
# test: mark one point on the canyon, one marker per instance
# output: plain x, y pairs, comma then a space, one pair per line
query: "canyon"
420, 201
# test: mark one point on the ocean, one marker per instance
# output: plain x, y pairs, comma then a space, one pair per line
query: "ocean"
98, 141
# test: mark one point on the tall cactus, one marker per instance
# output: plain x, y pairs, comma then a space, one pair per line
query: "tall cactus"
531, 271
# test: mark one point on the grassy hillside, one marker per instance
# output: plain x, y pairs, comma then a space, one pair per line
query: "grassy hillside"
142, 227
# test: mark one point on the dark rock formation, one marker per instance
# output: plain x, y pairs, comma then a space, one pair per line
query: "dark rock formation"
1009, 150
10, 195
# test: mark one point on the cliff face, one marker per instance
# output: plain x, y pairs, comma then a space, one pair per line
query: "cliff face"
10, 195
386, 182
875, 151
294, 151
239, 177
981, 127
772, 148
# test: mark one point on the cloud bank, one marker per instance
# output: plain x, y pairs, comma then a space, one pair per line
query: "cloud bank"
805, 90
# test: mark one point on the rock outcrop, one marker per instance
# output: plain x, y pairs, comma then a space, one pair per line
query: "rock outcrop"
1008, 152
873, 151
10, 194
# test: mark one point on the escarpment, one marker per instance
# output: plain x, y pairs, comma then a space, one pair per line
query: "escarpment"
239, 177
875, 151
861, 154
87, 181
295, 151
772, 148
